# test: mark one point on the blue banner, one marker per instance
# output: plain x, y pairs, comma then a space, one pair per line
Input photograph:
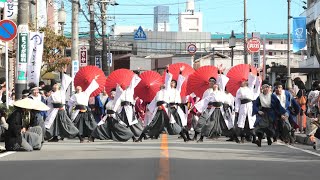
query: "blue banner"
299, 33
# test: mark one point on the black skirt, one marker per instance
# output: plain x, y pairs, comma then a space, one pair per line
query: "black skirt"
85, 123
112, 129
161, 122
213, 125
137, 128
62, 126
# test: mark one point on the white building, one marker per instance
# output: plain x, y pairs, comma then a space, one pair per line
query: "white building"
190, 21
161, 18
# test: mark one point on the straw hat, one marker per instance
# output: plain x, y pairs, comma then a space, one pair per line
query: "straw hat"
28, 103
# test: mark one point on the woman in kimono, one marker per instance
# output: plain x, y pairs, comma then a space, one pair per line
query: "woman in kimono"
162, 118
248, 92
284, 128
81, 117
267, 107
127, 111
58, 122
212, 122
111, 127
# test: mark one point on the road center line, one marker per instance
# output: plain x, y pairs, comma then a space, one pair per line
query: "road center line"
164, 159
303, 150
7, 153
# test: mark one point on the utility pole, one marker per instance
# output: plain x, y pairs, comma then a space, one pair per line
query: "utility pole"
212, 57
289, 83
245, 32
21, 63
92, 51
105, 62
75, 35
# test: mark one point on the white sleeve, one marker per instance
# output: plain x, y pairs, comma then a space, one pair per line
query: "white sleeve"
237, 101
168, 81
222, 81
180, 81
92, 87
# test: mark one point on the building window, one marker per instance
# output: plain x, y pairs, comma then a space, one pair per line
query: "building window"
1, 13
281, 53
275, 53
270, 53
270, 42
281, 42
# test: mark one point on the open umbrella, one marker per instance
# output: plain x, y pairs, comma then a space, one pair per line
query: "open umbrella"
174, 69
198, 82
122, 77
85, 76
148, 86
236, 75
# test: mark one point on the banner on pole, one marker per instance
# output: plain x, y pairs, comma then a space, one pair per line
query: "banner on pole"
299, 33
255, 57
10, 9
35, 56
23, 41
98, 61
83, 56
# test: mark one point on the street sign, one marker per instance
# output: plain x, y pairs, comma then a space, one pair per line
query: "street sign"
192, 49
23, 41
98, 61
8, 30
109, 59
83, 56
255, 57
140, 34
253, 45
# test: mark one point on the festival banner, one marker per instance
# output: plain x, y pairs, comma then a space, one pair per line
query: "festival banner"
35, 56
299, 33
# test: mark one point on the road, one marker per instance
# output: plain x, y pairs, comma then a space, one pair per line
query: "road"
162, 159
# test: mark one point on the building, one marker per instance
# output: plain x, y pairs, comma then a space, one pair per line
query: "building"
161, 18
311, 64
190, 21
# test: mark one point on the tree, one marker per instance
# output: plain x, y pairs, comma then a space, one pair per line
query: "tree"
53, 48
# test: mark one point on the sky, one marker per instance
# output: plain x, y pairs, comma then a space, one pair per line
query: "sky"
219, 16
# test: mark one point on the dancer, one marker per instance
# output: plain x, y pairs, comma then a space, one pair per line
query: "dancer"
81, 117
267, 107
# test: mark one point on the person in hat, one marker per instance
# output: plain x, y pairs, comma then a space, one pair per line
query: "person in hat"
285, 128
111, 126
267, 108
248, 92
20, 136
81, 117
25, 93
58, 123
212, 123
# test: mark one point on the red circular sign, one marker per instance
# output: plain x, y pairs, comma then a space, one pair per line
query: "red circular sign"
253, 45
192, 49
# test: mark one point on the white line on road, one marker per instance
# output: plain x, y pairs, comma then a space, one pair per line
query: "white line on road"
303, 150
6, 154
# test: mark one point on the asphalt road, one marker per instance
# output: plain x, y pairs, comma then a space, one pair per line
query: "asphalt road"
163, 159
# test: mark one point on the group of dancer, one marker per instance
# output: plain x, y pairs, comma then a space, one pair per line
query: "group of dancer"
254, 113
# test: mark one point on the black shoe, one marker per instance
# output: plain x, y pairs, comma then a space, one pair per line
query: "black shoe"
258, 142
242, 140
275, 140
230, 140
91, 139
134, 139
54, 139
138, 140
237, 140
269, 141
145, 138
200, 140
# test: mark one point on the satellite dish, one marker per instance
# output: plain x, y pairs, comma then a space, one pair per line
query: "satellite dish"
317, 25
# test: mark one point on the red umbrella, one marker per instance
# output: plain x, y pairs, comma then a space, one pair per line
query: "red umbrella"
174, 69
198, 82
236, 75
122, 77
85, 76
148, 86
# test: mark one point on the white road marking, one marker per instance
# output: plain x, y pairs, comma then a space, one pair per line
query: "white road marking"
303, 150
7, 153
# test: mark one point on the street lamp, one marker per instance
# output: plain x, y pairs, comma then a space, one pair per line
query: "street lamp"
232, 44
62, 17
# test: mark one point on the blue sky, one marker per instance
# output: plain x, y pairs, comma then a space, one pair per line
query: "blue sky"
218, 15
